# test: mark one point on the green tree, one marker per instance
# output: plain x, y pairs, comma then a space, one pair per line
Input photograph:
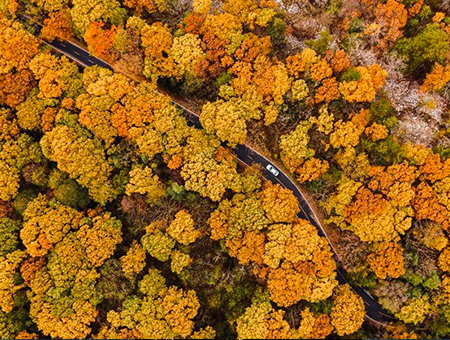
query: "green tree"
426, 48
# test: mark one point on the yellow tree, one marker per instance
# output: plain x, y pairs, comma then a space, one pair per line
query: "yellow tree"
45, 226
387, 260
182, 228
208, 167
279, 204
9, 266
17, 46
157, 42
314, 326
187, 53
84, 12
144, 182
57, 26
134, 260
348, 311
82, 158
226, 120
365, 88
202, 6
70, 268
161, 312
294, 147
436, 79
261, 321
415, 310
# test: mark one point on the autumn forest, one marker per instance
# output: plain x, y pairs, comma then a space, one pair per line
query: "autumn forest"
228, 169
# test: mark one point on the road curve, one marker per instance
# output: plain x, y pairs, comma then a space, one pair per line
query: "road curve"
247, 155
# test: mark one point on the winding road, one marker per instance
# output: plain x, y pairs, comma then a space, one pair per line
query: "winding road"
247, 155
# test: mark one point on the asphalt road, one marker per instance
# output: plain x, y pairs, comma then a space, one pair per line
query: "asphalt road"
245, 154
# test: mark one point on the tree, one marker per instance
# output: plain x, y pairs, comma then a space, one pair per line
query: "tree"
17, 46
376, 132
314, 327
307, 271
202, 6
432, 235
83, 158
428, 206
261, 321
102, 42
9, 266
161, 313
57, 26
262, 228
428, 47
341, 61
158, 244
52, 5
84, 12
391, 17
208, 168
143, 114
57, 77
66, 190
415, 310
387, 261
371, 209
187, 53
8, 125
444, 260
347, 134
150, 6
100, 237
434, 169
328, 91
294, 147
14, 155
29, 113
299, 90
46, 225
182, 228
62, 288
279, 204
436, 79
364, 89
144, 182
179, 261
157, 42
320, 70
134, 260
348, 311
299, 63
15, 87
8, 235
225, 119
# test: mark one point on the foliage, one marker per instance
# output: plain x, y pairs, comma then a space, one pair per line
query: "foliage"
429, 46
387, 261
347, 313
57, 26
134, 260
182, 228
83, 158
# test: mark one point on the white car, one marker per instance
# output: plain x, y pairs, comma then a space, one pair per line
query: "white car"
272, 170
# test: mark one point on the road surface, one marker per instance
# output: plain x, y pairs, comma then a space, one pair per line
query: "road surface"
245, 154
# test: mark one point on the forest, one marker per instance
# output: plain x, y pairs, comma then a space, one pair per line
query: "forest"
123, 218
